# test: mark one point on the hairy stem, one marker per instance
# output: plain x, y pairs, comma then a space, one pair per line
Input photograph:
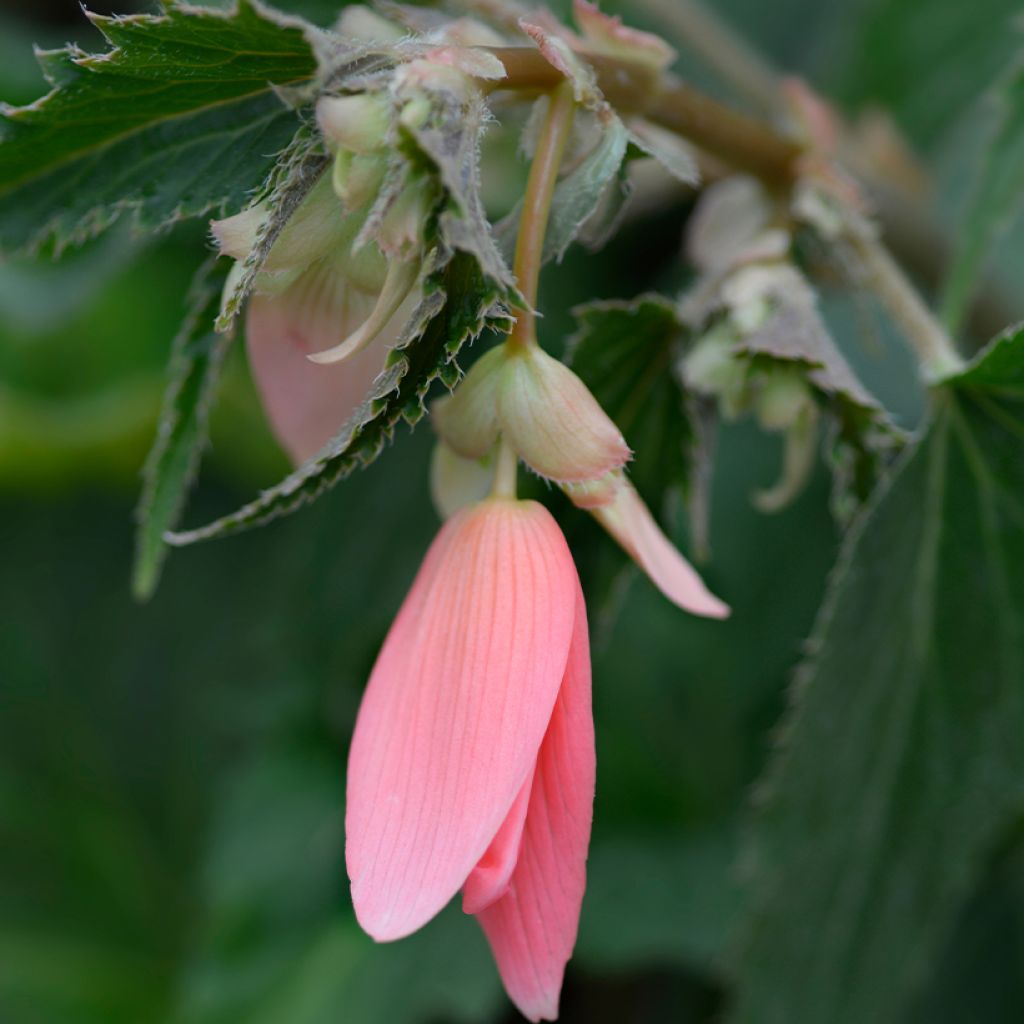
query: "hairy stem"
540, 189
884, 276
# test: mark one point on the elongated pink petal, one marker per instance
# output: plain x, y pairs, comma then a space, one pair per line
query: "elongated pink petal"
630, 522
455, 710
489, 880
532, 929
307, 404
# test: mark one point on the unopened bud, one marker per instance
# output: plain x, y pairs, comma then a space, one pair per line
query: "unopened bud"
783, 396
605, 34
403, 226
553, 421
456, 482
359, 22
236, 236
468, 419
711, 367
357, 178
358, 122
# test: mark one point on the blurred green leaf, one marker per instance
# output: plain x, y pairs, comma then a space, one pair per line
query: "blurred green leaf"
902, 763
178, 119
658, 900
174, 459
996, 194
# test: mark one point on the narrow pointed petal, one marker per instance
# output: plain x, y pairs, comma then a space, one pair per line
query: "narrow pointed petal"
307, 404
630, 522
532, 929
398, 285
455, 710
489, 880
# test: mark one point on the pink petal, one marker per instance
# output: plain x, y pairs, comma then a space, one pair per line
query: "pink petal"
455, 710
532, 929
489, 880
307, 404
630, 522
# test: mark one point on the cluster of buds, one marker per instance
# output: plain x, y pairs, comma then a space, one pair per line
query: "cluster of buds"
342, 277
746, 278
550, 420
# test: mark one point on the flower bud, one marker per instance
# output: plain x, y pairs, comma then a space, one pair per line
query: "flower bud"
358, 122
605, 34
468, 420
357, 178
783, 396
236, 236
456, 482
553, 421
711, 367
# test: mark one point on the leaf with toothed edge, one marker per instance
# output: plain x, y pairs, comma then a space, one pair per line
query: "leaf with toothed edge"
458, 305
172, 463
180, 118
901, 768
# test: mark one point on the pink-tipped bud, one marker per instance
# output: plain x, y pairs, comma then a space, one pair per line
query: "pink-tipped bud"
605, 33
468, 420
553, 421
358, 123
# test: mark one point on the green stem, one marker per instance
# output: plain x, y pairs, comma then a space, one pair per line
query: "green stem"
506, 469
540, 189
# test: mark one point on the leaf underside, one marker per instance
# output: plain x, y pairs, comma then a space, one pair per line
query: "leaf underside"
171, 467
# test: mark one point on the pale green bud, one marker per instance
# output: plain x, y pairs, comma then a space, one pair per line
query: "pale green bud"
358, 122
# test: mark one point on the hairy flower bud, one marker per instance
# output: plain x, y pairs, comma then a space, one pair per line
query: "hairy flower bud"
468, 420
358, 122
456, 482
553, 421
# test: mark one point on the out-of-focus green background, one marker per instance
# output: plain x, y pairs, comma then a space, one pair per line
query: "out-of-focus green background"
172, 775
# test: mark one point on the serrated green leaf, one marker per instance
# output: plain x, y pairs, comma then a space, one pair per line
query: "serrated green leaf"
902, 765
172, 464
995, 197
458, 305
178, 119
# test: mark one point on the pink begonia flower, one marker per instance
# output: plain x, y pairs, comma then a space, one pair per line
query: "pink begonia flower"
472, 763
306, 403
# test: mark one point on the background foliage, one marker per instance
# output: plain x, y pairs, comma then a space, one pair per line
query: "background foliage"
171, 775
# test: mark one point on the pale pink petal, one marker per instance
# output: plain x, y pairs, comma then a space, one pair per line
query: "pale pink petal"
532, 929
489, 880
455, 710
630, 522
305, 403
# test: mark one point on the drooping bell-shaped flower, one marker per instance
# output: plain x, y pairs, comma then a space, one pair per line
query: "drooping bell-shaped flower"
472, 762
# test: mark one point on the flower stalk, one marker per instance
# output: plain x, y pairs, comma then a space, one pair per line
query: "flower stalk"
540, 190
